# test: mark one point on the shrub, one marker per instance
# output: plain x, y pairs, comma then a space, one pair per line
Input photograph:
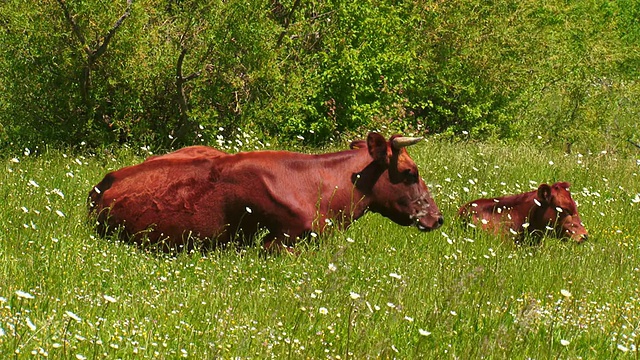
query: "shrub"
173, 73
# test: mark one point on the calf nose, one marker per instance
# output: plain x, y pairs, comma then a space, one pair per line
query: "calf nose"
583, 237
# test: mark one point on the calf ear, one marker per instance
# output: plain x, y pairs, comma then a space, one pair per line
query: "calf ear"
377, 146
544, 193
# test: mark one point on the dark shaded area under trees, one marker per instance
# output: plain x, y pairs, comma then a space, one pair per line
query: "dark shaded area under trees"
174, 72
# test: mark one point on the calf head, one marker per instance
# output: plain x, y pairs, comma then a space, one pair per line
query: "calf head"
398, 192
560, 211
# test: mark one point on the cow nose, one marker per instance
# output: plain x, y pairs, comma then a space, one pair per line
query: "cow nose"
584, 237
440, 221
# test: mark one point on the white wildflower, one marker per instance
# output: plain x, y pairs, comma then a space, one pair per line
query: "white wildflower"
73, 316
24, 295
30, 324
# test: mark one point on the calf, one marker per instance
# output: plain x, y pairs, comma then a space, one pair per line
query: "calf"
549, 209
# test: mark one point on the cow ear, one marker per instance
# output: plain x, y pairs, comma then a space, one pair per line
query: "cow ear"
544, 193
377, 146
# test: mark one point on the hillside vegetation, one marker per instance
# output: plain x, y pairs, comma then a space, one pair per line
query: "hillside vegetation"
170, 73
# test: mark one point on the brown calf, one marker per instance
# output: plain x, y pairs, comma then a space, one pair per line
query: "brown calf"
549, 209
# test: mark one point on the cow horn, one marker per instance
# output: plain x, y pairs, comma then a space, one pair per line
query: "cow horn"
400, 142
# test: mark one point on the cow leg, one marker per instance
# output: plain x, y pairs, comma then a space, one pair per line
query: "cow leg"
275, 245
284, 235
277, 241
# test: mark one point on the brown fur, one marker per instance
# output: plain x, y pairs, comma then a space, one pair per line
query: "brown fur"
190, 152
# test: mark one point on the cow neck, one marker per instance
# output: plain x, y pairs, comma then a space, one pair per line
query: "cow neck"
360, 173
364, 179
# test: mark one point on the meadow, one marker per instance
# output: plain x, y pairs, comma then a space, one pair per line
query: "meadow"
376, 290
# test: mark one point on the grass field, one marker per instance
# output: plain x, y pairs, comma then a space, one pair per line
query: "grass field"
377, 290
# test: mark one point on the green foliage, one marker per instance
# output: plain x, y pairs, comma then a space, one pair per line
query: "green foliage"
582, 94
172, 73
377, 290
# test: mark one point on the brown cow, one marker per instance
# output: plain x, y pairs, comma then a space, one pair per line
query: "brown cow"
173, 198
548, 209
190, 152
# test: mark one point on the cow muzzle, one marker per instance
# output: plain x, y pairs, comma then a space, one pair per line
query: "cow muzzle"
427, 223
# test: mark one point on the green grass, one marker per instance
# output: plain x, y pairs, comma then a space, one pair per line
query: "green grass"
375, 290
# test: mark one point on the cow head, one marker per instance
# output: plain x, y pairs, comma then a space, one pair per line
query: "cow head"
561, 211
399, 193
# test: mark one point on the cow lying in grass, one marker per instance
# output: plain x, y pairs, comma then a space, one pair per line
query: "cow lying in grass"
547, 210
202, 193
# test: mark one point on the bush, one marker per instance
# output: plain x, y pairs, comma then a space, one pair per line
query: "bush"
173, 73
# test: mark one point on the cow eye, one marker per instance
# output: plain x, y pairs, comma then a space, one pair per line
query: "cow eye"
410, 177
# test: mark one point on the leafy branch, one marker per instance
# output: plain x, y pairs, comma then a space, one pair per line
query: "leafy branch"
98, 49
